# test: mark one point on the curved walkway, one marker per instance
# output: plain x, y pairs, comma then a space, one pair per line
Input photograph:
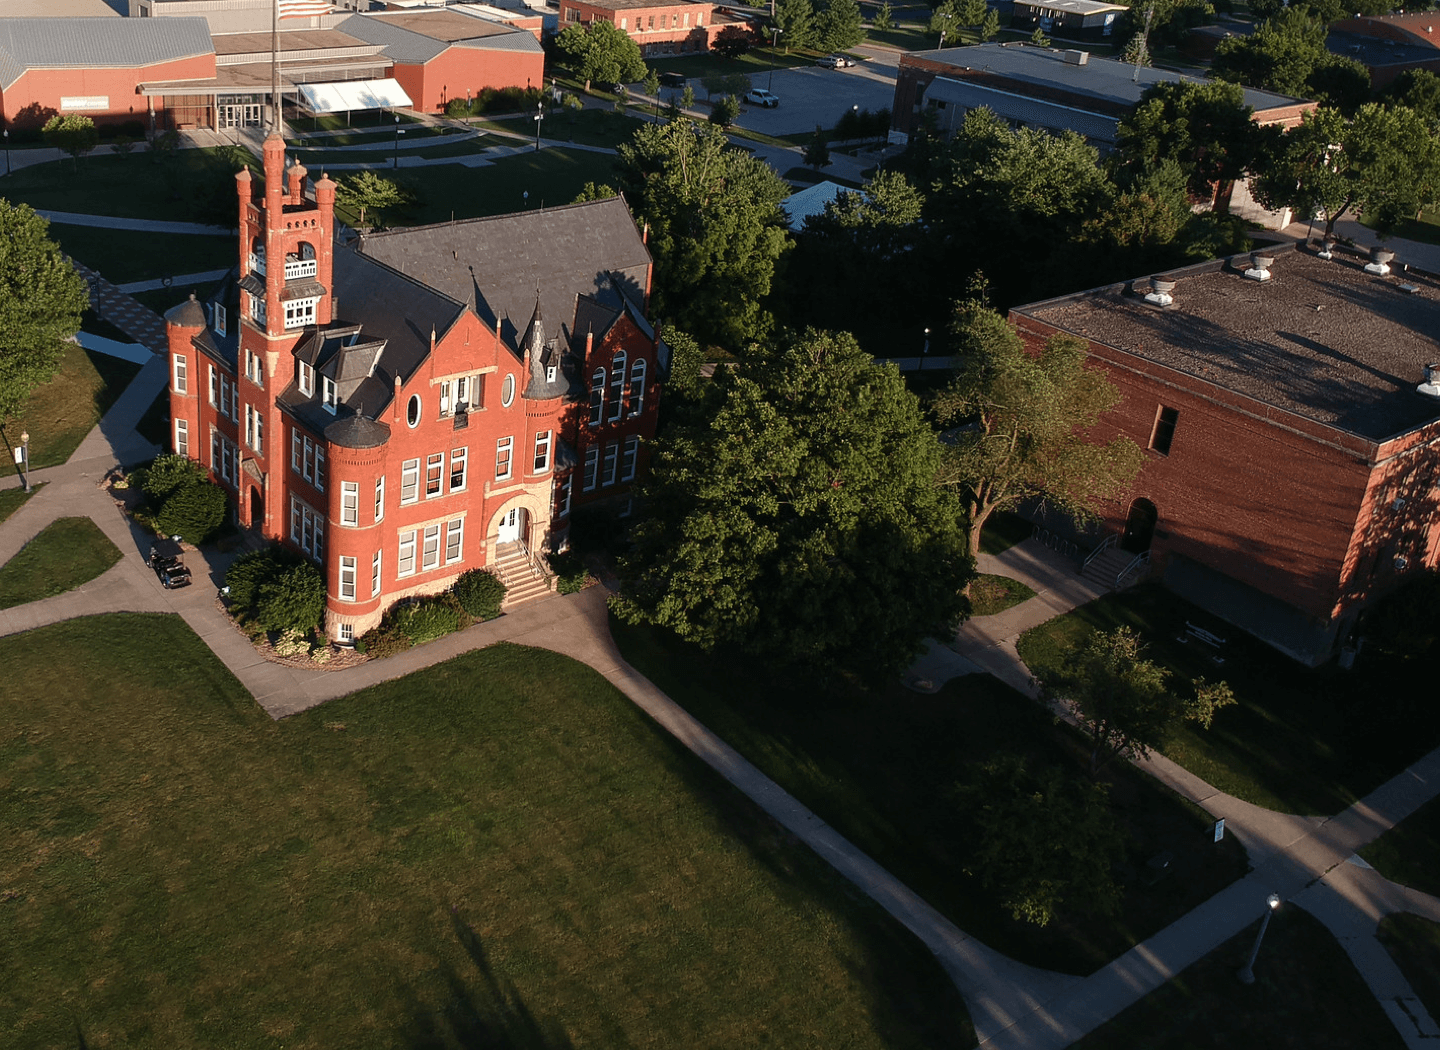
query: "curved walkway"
1011, 1005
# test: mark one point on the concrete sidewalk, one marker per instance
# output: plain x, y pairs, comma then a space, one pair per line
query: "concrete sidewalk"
113, 222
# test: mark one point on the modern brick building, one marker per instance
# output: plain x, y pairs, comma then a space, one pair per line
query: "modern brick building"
1292, 464
1387, 45
659, 28
424, 401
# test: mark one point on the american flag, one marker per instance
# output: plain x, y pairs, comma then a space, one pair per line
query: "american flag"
302, 8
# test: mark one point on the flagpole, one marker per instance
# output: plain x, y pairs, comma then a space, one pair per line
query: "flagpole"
275, 67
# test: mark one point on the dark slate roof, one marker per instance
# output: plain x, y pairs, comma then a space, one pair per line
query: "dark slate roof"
189, 314
1325, 340
403, 45
545, 349
498, 262
97, 43
357, 432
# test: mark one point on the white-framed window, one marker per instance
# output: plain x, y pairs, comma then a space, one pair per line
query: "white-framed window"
380, 498
181, 381
434, 474
215, 440
229, 455
305, 379
562, 494
346, 633
347, 579
592, 467
220, 319
412, 412
597, 396
319, 469
182, 438
629, 457
612, 458
307, 530
214, 388
409, 481
430, 548
307, 459
454, 540
254, 368
327, 393
257, 309
229, 398
637, 387
551, 373
542, 452
349, 503
446, 405
375, 575
254, 430
503, 449
406, 566
295, 450
507, 391
617, 385
300, 312
458, 460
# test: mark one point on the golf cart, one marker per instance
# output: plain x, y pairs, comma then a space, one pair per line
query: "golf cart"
167, 558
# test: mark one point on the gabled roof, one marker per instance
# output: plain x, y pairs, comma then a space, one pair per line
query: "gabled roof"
97, 43
405, 45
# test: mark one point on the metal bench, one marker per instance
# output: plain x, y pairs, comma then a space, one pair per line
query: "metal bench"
1201, 635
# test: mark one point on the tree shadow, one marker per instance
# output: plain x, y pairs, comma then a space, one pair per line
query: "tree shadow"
482, 1011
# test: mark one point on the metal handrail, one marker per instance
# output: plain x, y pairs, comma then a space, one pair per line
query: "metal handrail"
539, 571
1105, 544
1143, 558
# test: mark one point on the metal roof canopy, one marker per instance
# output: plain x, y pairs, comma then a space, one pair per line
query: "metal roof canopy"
347, 95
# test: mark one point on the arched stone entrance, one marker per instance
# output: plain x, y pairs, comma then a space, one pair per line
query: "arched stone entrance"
1139, 527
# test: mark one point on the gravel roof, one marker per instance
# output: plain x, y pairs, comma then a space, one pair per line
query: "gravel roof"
1322, 339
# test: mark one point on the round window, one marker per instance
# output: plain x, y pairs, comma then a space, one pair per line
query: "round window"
507, 391
412, 414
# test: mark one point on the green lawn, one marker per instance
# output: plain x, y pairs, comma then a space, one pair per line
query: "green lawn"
60, 557
882, 768
170, 186
385, 153
994, 594
1307, 994
13, 497
588, 127
1003, 530
128, 255
911, 36
370, 135
1409, 853
753, 63
61, 412
1426, 228
1298, 740
500, 851
1414, 944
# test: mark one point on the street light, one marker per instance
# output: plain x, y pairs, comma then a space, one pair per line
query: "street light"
539, 116
25, 457
398, 133
7, 151
927, 342
774, 58
1247, 972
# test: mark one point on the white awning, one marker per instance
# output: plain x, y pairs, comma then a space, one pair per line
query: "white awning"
347, 95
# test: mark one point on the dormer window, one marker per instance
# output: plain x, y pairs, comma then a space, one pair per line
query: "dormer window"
306, 379
300, 312
550, 371
327, 392
219, 319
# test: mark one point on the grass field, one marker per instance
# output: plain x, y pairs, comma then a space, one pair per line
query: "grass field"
1298, 740
384, 153
168, 186
128, 255
1409, 853
1414, 944
1306, 994
13, 497
1002, 531
501, 851
61, 556
588, 127
61, 412
994, 594
883, 766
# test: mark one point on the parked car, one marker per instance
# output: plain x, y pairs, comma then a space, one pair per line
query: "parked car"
168, 561
835, 61
672, 79
761, 97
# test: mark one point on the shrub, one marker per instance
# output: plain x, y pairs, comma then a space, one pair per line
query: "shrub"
192, 512
429, 618
569, 572
457, 108
277, 589
385, 640
479, 593
293, 643
168, 473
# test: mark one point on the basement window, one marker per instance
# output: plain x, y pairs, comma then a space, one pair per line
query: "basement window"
1164, 432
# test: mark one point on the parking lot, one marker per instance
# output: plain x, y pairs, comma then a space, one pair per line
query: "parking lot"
811, 95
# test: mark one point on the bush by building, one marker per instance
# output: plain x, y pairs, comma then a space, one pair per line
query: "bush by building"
570, 574
480, 593
277, 589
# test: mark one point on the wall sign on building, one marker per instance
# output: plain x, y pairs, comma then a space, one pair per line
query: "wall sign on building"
84, 103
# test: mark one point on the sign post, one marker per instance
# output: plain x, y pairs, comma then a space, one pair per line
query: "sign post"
1219, 829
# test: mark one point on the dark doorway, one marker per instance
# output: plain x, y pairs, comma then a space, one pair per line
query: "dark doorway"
1139, 527
257, 509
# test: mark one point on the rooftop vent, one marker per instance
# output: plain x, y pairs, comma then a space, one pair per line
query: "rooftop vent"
1160, 289
1431, 386
1260, 263
1327, 248
1075, 57
1379, 263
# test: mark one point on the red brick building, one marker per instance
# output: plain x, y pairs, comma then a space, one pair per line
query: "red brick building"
659, 28
423, 402
1291, 464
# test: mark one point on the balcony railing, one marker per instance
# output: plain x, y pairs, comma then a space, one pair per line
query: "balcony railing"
297, 268
257, 264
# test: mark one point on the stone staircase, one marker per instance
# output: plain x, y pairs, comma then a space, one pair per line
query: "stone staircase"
1103, 570
522, 582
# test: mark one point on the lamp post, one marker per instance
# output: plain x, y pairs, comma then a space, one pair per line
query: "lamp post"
927, 342
539, 116
1247, 972
397, 140
775, 57
7, 151
25, 458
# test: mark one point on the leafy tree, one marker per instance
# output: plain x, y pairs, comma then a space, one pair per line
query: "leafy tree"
796, 21
601, 51
687, 97
72, 133
168, 473
884, 19
725, 110
732, 42
1028, 418
802, 521
989, 26
122, 147
162, 145
42, 300
1043, 839
1137, 52
1206, 128
1385, 161
971, 12
572, 104
595, 191
737, 84
817, 153
1124, 701
192, 511
839, 26
944, 19
366, 191
1417, 90
457, 108
1287, 54
652, 88
1039, 39
716, 228
686, 357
